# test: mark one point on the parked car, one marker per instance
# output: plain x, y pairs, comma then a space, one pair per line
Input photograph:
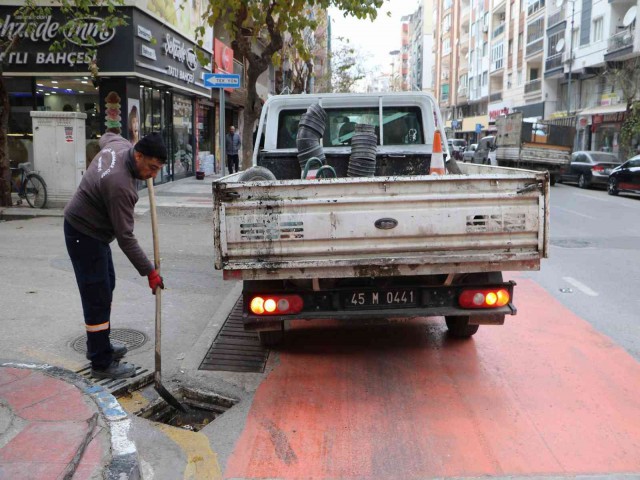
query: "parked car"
626, 177
456, 147
589, 168
467, 155
486, 151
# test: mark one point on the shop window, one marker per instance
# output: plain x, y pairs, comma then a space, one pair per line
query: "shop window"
183, 140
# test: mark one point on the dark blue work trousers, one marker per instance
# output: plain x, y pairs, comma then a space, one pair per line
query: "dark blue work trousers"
96, 279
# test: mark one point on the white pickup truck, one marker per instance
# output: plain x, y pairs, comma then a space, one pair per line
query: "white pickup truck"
399, 244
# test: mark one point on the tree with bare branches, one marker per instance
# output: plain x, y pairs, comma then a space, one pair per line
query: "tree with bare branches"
265, 22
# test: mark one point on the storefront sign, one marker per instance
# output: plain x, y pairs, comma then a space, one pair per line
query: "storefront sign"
31, 53
172, 59
493, 114
148, 52
176, 49
144, 33
47, 29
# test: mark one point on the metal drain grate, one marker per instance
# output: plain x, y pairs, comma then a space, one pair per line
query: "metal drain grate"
131, 338
120, 386
234, 349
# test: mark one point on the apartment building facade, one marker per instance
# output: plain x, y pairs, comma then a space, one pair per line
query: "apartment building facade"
552, 62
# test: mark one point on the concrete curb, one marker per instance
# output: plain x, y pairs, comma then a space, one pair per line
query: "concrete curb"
21, 213
124, 463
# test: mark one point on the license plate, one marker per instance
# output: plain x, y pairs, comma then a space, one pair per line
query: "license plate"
381, 299
607, 171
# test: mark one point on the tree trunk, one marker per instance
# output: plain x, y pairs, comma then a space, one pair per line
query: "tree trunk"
251, 113
5, 172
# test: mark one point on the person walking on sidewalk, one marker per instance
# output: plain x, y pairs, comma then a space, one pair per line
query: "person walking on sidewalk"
100, 211
232, 145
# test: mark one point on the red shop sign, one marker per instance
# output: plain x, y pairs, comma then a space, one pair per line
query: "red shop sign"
597, 119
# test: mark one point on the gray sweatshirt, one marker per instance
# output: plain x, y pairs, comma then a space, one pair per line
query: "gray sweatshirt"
102, 207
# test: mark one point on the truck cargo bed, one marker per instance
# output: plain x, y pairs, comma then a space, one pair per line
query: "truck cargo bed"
488, 218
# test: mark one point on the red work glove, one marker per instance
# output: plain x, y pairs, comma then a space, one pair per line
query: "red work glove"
155, 281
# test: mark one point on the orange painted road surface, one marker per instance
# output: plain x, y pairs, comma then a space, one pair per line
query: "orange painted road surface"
545, 394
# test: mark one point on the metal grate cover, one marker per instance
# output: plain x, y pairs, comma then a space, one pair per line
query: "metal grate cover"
234, 349
120, 386
132, 339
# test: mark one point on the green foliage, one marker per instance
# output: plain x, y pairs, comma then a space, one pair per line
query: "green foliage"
270, 20
630, 131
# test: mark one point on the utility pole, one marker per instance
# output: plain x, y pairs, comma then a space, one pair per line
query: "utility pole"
573, 6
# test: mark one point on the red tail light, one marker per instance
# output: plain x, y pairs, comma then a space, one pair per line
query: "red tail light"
484, 298
597, 168
276, 304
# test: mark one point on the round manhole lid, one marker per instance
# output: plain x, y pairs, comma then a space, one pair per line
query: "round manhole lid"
130, 338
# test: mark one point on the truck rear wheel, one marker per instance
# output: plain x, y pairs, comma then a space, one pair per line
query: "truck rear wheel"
459, 326
271, 338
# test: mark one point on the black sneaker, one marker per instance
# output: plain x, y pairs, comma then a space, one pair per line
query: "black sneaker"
118, 350
114, 371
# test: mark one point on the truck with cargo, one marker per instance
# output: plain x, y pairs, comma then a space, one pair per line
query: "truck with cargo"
529, 145
396, 243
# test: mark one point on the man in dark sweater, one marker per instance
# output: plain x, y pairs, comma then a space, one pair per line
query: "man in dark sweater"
100, 211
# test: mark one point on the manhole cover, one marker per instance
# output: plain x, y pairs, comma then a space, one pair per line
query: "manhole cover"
131, 338
570, 243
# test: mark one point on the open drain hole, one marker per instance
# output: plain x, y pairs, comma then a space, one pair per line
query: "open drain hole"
203, 407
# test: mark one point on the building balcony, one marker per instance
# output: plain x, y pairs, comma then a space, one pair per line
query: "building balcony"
620, 46
555, 18
535, 7
497, 64
463, 68
535, 47
465, 16
498, 31
495, 97
554, 62
534, 86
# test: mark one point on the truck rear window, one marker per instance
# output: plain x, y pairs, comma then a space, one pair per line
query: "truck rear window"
400, 126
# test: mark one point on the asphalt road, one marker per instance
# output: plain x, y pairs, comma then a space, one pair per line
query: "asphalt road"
552, 393
593, 262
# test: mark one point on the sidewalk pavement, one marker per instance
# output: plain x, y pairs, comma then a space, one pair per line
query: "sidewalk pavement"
187, 197
56, 425
52, 420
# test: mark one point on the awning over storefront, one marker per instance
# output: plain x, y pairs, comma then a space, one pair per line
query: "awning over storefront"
604, 109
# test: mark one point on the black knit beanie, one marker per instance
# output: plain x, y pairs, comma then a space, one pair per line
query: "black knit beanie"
152, 145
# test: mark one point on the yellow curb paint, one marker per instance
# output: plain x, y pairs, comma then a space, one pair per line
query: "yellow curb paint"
133, 402
51, 358
202, 462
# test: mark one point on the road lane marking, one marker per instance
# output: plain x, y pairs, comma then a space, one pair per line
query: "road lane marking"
580, 286
573, 212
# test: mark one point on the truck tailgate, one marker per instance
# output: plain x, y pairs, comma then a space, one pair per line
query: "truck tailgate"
538, 153
381, 226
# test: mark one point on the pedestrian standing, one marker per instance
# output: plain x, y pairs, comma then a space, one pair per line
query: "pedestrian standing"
100, 211
232, 145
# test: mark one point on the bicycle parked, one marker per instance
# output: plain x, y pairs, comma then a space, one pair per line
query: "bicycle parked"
28, 185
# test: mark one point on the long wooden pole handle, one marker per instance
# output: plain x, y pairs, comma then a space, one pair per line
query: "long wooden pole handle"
154, 224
